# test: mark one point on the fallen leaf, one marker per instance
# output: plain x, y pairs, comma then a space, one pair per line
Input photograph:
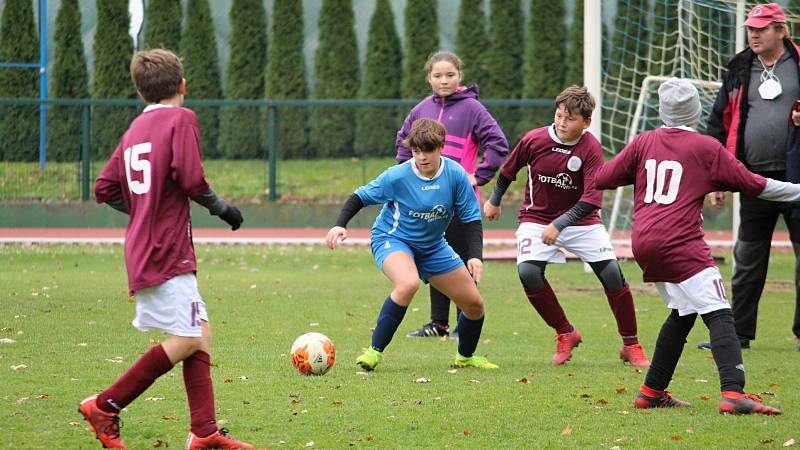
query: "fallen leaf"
82, 344
22, 400
677, 437
701, 381
567, 430
310, 444
336, 402
227, 381
690, 430
467, 433
704, 397
774, 385
475, 381
74, 424
42, 397
523, 380
789, 443
422, 380
159, 443
602, 402
167, 418
18, 367
452, 371
154, 399
767, 441
7, 341
243, 378
621, 390
766, 393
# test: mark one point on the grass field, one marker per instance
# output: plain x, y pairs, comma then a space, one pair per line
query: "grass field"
67, 312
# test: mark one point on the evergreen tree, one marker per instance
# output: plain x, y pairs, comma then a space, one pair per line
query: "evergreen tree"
544, 43
69, 79
336, 63
19, 132
201, 70
472, 41
377, 127
241, 133
574, 73
113, 49
286, 77
421, 39
505, 61
162, 24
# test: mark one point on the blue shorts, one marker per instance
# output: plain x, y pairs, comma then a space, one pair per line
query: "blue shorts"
435, 259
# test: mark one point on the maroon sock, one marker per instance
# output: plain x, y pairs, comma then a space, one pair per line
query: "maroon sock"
136, 380
200, 392
621, 303
546, 304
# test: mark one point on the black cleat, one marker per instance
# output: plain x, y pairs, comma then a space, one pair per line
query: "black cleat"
431, 329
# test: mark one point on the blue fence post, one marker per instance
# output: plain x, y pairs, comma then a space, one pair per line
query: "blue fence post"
85, 152
272, 145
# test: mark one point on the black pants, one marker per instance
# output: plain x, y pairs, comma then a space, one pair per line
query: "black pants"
456, 236
751, 254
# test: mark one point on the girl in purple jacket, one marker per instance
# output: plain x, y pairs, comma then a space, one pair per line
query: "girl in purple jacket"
469, 126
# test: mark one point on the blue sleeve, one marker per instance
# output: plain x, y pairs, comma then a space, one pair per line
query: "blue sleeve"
466, 204
377, 191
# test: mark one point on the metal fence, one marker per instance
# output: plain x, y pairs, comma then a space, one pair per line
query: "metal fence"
54, 181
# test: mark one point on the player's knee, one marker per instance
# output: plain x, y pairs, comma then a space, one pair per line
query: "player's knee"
531, 275
473, 308
406, 289
609, 273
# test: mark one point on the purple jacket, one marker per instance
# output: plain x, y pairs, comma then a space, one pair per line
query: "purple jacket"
468, 125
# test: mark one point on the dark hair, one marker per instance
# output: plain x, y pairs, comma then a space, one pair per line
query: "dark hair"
426, 135
156, 73
442, 55
576, 99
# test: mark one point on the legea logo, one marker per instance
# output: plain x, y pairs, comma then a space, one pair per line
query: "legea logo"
562, 181
436, 213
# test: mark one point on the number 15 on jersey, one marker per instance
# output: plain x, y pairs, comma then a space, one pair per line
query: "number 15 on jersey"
133, 163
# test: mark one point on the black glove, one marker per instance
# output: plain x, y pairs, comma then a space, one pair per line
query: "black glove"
233, 217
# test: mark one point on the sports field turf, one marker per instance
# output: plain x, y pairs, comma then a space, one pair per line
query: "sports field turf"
67, 312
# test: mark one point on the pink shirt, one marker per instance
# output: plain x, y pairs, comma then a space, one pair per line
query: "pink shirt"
559, 175
672, 170
155, 169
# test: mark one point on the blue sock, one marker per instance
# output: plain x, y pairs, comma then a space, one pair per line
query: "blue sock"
388, 320
469, 332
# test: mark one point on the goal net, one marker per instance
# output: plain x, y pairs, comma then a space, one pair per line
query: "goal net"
650, 41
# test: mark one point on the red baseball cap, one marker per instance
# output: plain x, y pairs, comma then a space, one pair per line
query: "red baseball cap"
763, 15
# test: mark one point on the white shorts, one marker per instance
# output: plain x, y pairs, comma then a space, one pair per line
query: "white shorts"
588, 242
174, 307
701, 294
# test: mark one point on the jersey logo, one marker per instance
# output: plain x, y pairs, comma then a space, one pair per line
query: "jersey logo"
561, 181
561, 150
430, 187
574, 163
438, 212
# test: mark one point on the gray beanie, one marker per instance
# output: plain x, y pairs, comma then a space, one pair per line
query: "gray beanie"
678, 103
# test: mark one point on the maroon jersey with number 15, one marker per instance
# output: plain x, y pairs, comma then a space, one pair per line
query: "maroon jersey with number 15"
672, 170
155, 169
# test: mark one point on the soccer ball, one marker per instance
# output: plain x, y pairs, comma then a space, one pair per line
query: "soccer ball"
313, 354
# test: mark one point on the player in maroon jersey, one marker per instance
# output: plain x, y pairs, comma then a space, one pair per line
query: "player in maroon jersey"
672, 169
152, 174
561, 210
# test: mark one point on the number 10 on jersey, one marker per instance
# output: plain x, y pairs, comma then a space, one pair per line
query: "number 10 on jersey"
656, 174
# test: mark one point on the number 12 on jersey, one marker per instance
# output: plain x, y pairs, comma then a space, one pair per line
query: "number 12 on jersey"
656, 175
133, 163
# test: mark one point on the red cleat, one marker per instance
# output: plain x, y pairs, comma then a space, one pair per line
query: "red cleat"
634, 354
105, 425
664, 400
219, 439
738, 403
565, 342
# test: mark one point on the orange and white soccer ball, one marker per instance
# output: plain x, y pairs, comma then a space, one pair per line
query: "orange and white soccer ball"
313, 354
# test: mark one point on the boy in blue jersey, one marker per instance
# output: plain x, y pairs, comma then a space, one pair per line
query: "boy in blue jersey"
420, 197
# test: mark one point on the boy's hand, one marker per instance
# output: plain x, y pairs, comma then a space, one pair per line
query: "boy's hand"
550, 234
233, 217
490, 211
475, 268
717, 199
335, 235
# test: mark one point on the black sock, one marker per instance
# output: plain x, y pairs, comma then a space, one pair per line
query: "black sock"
469, 332
669, 347
726, 349
388, 320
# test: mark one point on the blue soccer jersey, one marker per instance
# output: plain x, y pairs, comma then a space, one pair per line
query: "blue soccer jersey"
417, 210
